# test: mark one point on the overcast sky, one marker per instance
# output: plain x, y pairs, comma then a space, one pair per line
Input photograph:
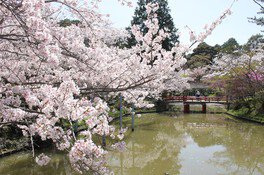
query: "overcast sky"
195, 14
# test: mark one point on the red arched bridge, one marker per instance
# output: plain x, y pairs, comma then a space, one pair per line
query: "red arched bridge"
202, 100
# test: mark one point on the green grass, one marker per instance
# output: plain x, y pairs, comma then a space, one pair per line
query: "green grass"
244, 114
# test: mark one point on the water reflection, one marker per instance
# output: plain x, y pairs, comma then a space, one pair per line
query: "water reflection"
24, 164
194, 144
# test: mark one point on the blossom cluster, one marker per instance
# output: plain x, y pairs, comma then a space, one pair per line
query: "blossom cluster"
42, 159
208, 29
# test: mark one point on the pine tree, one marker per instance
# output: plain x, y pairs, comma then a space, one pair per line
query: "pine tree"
165, 22
230, 46
202, 55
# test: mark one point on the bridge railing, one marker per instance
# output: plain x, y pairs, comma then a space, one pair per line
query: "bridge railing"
194, 98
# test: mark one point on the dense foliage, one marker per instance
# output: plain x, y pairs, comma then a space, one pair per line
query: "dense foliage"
240, 75
202, 56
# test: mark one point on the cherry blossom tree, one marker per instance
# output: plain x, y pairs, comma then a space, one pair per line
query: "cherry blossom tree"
240, 76
52, 76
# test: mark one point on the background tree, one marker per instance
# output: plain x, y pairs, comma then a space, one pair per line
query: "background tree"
241, 78
230, 46
165, 22
201, 56
254, 42
68, 22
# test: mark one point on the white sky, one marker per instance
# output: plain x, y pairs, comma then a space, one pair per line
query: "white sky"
195, 14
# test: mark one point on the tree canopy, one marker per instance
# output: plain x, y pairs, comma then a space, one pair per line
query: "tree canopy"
202, 55
254, 42
230, 46
68, 22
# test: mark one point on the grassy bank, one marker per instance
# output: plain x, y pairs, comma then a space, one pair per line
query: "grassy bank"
243, 114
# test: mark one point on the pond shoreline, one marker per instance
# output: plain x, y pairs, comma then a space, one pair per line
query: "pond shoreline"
245, 118
12, 151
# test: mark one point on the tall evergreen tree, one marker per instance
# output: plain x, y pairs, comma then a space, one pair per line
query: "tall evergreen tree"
165, 22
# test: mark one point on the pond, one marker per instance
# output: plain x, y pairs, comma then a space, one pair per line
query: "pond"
189, 144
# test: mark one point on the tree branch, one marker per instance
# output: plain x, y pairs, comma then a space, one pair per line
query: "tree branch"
258, 4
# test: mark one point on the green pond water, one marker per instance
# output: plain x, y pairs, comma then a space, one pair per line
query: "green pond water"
193, 144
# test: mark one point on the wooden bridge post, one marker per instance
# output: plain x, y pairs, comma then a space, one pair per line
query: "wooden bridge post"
184, 98
104, 141
133, 117
186, 107
203, 107
121, 113
227, 103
